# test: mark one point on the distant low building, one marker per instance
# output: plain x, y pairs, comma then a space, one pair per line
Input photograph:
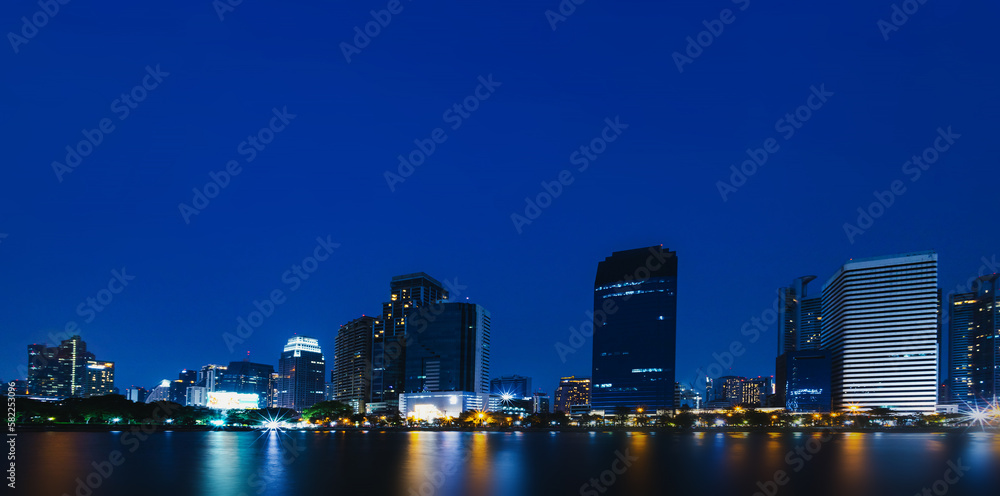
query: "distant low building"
430, 406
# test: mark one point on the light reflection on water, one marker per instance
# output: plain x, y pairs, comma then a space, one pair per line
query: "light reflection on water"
429, 463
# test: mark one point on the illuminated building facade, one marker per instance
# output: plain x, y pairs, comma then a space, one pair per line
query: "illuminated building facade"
100, 378
431, 406
881, 320
572, 391
408, 293
300, 369
635, 330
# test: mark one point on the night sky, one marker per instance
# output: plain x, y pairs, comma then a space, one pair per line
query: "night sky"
63, 230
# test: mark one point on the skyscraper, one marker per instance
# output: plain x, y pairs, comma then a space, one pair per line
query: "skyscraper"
68, 370
635, 330
247, 377
209, 377
408, 293
790, 316
572, 391
300, 369
352, 363
449, 349
961, 334
986, 339
800, 327
881, 325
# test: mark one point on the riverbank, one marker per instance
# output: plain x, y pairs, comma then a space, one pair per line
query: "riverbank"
651, 430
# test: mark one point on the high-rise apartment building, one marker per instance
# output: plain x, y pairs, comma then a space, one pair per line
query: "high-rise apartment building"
352, 363
408, 293
635, 330
881, 325
300, 369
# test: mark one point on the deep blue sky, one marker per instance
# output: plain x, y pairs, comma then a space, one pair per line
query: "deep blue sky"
324, 174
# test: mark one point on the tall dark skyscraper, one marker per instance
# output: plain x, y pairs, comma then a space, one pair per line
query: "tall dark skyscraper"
300, 371
790, 316
799, 329
449, 350
248, 378
986, 339
635, 330
407, 293
352, 363
961, 334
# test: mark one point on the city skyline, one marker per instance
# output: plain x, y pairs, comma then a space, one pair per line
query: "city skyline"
944, 346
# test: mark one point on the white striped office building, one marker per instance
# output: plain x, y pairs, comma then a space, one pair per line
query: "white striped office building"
881, 324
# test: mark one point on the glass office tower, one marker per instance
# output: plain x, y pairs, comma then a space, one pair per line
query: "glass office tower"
408, 293
635, 330
301, 370
448, 349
